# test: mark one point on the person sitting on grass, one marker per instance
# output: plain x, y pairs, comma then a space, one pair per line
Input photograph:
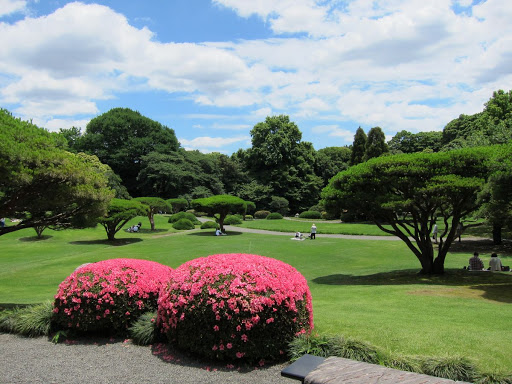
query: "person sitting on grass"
495, 263
475, 263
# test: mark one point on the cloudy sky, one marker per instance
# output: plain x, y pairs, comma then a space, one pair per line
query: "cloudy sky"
211, 70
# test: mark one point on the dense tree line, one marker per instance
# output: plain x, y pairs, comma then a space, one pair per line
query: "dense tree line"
139, 157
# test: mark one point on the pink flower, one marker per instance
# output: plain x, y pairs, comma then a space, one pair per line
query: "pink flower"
270, 320
229, 345
240, 354
216, 328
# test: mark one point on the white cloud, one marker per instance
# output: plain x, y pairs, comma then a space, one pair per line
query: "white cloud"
400, 64
210, 144
334, 131
8, 7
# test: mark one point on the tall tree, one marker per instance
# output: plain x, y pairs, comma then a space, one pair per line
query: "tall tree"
42, 184
408, 192
358, 147
121, 138
375, 144
280, 160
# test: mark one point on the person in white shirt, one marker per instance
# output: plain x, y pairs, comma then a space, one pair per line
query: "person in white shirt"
495, 263
313, 232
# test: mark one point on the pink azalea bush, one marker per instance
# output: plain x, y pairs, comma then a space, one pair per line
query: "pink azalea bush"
235, 306
109, 295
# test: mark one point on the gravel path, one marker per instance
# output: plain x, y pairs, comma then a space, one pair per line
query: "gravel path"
37, 360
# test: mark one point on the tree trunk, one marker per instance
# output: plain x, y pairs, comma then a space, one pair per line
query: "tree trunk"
151, 217
496, 234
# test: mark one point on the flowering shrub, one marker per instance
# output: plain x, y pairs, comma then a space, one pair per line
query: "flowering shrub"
109, 295
235, 306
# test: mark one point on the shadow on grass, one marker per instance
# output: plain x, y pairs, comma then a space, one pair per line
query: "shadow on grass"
210, 233
452, 277
456, 283
115, 243
35, 238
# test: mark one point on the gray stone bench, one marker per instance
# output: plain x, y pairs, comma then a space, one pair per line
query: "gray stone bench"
336, 370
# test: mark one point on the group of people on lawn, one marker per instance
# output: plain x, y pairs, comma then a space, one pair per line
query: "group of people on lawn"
495, 265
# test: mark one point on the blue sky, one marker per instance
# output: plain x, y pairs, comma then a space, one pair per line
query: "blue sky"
211, 70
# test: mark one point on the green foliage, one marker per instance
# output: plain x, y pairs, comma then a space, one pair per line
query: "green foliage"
409, 191
154, 205
144, 330
220, 205
184, 215
183, 225
407, 142
493, 378
261, 214
325, 346
33, 320
249, 217
251, 207
121, 138
119, 212
375, 144
354, 350
451, 367
358, 147
279, 205
178, 204
310, 215
330, 161
232, 220
44, 185
309, 344
280, 161
189, 174
209, 225
274, 216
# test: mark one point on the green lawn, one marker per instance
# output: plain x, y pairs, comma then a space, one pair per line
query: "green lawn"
292, 226
365, 289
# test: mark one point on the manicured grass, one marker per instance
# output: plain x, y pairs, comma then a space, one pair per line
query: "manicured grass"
324, 227
363, 289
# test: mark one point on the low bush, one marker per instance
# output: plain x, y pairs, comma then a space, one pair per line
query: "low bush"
333, 346
249, 307
32, 320
108, 296
184, 215
183, 225
274, 216
261, 214
209, 225
311, 215
144, 330
451, 367
249, 217
232, 220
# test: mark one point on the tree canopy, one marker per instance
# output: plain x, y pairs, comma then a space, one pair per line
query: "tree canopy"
43, 185
409, 192
221, 205
121, 137
280, 160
